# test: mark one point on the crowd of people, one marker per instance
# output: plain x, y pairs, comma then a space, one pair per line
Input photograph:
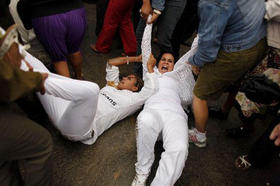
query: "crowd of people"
236, 49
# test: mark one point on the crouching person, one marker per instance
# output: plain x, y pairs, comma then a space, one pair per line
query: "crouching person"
24, 145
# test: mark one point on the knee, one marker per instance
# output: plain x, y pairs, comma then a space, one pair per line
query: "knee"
145, 120
178, 146
92, 91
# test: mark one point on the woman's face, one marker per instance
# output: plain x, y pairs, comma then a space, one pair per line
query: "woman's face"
166, 63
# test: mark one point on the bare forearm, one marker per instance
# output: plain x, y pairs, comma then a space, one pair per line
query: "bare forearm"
150, 69
123, 60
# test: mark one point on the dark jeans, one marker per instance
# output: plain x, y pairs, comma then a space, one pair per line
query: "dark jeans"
166, 25
263, 149
101, 6
168, 21
25, 149
185, 27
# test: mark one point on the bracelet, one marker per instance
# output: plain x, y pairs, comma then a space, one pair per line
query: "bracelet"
127, 61
157, 11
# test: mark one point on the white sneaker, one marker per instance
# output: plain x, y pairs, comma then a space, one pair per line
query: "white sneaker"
139, 180
194, 139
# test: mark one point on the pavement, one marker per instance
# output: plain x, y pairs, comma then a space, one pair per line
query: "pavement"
110, 161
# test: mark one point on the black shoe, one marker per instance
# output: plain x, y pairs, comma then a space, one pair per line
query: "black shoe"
239, 132
218, 114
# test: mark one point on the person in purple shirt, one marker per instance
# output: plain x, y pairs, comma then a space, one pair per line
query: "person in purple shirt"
60, 26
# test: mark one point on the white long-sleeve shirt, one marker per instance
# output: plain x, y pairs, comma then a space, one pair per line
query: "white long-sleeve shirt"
175, 87
272, 15
114, 105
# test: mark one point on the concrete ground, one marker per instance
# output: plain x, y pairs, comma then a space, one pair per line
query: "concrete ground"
110, 161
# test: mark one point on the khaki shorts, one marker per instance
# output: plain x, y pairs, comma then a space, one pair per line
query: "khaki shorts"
214, 78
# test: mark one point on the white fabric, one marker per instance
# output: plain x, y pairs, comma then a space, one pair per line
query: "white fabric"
26, 35
70, 104
182, 70
164, 114
11, 37
173, 126
114, 104
273, 25
77, 108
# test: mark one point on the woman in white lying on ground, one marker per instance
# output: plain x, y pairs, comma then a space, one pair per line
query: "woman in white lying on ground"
163, 116
82, 112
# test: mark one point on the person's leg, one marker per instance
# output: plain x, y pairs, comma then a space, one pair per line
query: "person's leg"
76, 60
76, 21
175, 143
9, 173
101, 6
51, 32
167, 22
200, 109
61, 68
148, 129
185, 27
216, 77
127, 32
31, 145
70, 104
110, 25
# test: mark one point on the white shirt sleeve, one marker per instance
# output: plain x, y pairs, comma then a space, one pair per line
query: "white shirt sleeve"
149, 88
112, 74
146, 46
183, 73
272, 10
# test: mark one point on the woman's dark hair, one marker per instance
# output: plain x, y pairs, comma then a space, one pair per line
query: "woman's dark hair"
139, 81
161, 54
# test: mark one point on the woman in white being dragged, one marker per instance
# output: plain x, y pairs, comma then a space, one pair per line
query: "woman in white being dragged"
82, 112
164, 115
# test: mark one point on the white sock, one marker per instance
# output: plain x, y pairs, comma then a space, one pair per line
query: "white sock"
201, 136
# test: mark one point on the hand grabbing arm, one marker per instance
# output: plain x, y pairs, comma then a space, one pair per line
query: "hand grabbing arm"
146, 9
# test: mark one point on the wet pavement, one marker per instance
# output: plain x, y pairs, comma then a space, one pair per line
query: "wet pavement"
110, 161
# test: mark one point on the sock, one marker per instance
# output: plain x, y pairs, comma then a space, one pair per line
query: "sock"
201, 136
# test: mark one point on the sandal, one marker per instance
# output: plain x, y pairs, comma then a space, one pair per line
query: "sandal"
242, 162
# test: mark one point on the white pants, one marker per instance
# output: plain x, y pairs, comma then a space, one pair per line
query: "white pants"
70, 104
174, 129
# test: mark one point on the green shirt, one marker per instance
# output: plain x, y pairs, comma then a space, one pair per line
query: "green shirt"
15, 83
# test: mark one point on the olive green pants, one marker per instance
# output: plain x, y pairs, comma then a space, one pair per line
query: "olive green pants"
214, 78
25, 150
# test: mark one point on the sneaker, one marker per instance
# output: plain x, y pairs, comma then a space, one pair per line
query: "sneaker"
242, 162
194, 139
139, 180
